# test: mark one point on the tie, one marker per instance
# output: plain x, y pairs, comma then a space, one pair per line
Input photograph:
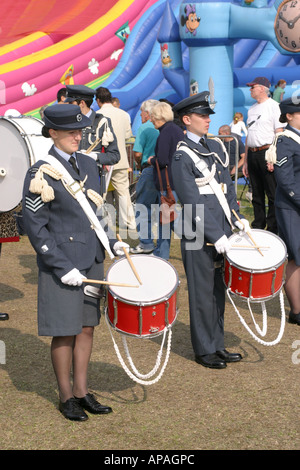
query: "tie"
72, 160
203, 143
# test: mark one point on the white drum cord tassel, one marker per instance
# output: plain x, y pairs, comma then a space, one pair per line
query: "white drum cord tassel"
262, 331
135, 375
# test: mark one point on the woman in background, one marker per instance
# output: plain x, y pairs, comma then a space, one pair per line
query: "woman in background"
238, 126
279, 91
169, 135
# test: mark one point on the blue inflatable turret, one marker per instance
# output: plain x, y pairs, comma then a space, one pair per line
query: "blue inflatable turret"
171, 53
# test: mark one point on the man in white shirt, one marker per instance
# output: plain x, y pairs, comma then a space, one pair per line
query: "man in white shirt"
262, 122
120, 121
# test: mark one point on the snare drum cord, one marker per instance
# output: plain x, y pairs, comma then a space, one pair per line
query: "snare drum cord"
282, 324
137, 378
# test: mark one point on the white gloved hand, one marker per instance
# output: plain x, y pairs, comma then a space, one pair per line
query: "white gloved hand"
118, 248
243, 225
222, 245
93, 155
73, 278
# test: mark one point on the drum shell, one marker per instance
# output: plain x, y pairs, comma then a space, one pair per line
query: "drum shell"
256, 283
141, 320
147, 311
253, 285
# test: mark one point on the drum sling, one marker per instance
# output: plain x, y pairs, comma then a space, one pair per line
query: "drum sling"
75, 190
215, 186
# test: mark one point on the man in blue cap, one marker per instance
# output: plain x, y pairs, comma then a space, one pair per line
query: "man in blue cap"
60, 198
262, 124
106, 152
203, 184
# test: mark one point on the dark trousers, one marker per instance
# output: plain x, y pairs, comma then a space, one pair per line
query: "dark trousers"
263, 184
206, 298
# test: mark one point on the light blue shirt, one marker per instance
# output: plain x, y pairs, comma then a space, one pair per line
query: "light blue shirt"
145, 140
194, 137
65, 155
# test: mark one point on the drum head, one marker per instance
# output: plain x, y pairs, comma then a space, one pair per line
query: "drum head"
21, 144
273, 249
159, 279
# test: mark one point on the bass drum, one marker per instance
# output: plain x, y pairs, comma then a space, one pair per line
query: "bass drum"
22, 144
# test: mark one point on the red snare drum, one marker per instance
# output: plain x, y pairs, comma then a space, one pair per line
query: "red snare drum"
250, 275
146, 310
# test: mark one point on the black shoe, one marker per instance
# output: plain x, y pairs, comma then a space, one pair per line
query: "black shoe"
4, 316
90, 404
211, 360
294, 318
71, 409
229, 357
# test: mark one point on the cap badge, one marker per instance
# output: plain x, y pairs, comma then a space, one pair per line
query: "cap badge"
79, 117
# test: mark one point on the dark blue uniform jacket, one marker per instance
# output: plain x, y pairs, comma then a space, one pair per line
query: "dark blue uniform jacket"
59, 230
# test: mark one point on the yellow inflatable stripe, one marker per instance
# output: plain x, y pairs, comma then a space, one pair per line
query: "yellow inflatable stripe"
21, 42
96, 27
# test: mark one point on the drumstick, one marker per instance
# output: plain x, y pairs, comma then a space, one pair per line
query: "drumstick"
251, 246
94, 144
248, 233
243, 246
96, 281
129, 260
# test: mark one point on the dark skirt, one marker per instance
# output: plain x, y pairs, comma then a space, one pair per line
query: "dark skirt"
63, 310
288, 222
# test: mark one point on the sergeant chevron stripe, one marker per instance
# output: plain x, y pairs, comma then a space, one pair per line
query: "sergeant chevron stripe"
281, 162
33, 204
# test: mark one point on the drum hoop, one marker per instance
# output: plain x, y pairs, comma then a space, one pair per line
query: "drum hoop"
164, 298
260, 270
264, 270
145, 303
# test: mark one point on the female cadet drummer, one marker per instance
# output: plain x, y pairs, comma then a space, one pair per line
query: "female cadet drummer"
68, 250
205, 235
287, 199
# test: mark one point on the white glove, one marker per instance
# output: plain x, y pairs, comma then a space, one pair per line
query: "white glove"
243, 225
73, 278
222, 245
93, 155
118, 248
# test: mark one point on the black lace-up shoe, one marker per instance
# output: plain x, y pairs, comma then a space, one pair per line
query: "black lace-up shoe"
89, 403
294, 318
229, 357
71, 409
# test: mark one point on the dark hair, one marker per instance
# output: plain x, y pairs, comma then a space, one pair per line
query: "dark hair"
45, 132
88, 101
60, 93
283, 118
103, 95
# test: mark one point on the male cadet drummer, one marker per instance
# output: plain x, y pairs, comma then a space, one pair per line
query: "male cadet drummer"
106, 152
202, 256
70, 247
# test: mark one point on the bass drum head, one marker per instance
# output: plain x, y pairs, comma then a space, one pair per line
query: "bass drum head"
22, 144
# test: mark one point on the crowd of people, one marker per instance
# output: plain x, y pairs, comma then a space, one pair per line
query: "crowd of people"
172, 150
